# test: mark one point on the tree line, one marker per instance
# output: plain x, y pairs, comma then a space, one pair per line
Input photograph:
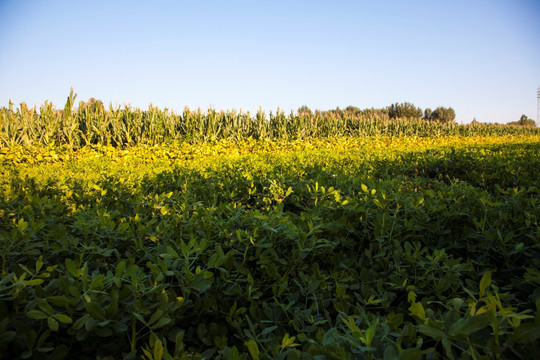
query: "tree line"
404, 110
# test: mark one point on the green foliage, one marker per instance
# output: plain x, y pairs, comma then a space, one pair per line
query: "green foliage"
341, 248
92, 106
443, 115
353, 111
427, 114
304, 110
404, 111
523, 121
92, 124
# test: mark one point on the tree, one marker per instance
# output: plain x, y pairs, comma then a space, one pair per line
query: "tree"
427, 114
304, 110
353, 110
523, 121
404, 110
376, 114
443, 115
92, 105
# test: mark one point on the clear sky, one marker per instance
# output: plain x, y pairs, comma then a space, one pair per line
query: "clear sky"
480, 57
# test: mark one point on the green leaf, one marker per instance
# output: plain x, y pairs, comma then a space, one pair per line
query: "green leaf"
37, 315
173, 252
390, 353
112, 309
378, 203
234, 354
45, 306
484, 283
467, 326
431, 331
80, 322
139, 317
155, 316
200, 283
417, 310
53, 324
71, 267
95, 310
26, 269
253, 349
97, 281
22, 225
58, 300
60, 352
289, 191
161, 323
287, 341
370, 334
39, 264
147, 353
526, 333
331, 337
120, 268
268, 330
63, 318
447, 345
158, 350
410, 354
34, 282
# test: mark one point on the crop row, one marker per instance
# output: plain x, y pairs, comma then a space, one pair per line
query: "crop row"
126, 126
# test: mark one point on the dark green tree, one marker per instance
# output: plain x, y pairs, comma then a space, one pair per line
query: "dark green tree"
443, 115
353, 110
404, 110
523, 121
427, 114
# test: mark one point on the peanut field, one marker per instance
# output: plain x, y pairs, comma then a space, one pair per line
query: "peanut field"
359, 239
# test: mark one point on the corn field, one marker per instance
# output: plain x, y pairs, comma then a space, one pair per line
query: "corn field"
128, 127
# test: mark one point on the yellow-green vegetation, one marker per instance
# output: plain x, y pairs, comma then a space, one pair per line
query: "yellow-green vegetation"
92, 124
318, 248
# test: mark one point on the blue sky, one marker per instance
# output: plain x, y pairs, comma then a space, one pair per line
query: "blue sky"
480, 57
